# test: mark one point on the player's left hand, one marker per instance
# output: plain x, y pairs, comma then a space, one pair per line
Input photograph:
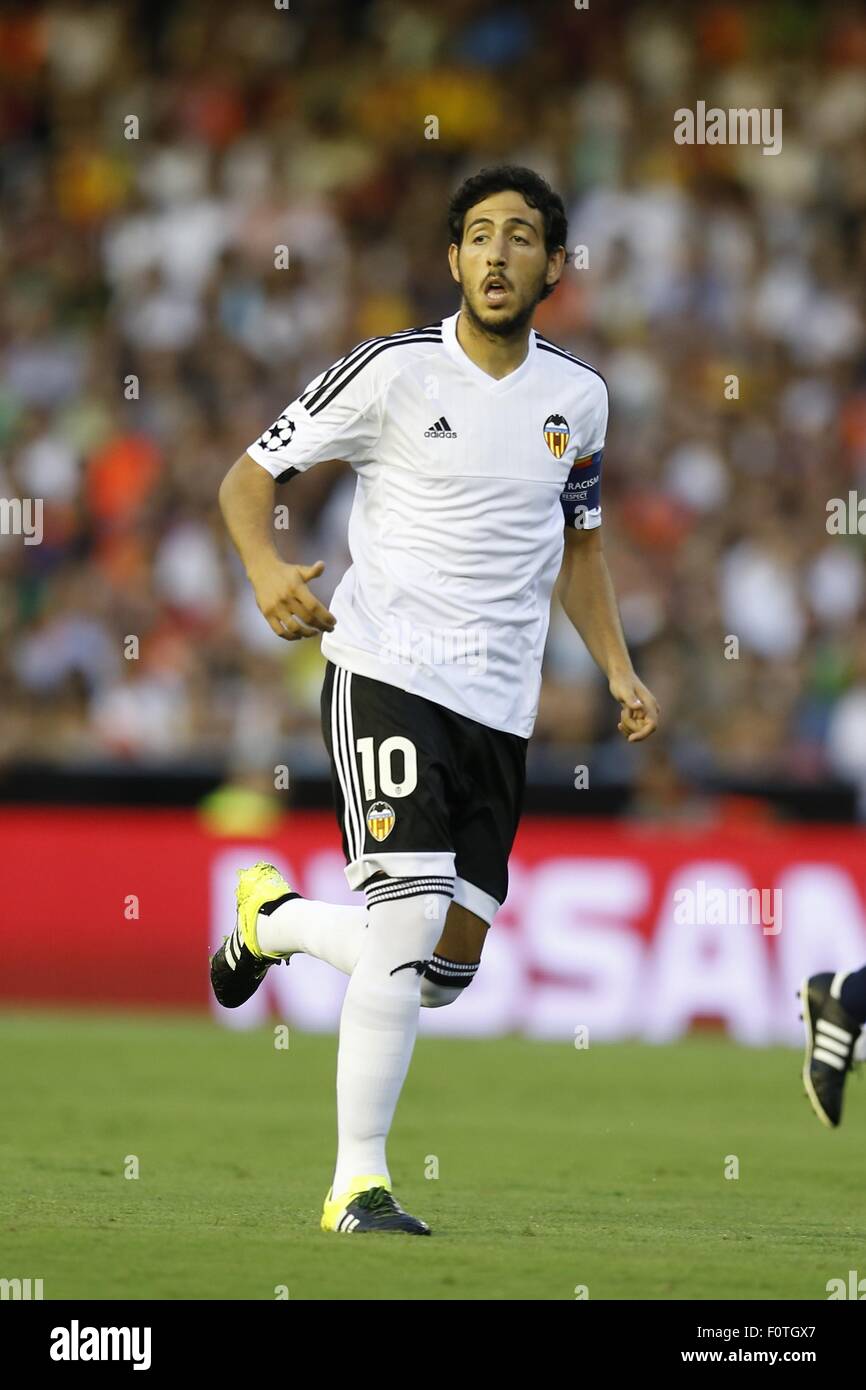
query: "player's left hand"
640, 710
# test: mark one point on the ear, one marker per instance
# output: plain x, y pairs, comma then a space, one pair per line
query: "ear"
452, 261
555, 264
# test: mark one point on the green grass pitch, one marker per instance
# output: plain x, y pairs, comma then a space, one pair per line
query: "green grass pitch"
557, 1168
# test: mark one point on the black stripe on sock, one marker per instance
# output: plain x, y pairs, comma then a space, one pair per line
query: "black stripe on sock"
267, 908
451, 973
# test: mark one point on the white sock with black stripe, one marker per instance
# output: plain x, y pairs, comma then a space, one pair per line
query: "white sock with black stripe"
325, 930
379, 1020
335, 934
445, 980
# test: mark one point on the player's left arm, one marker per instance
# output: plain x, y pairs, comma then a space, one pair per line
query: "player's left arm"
585, 590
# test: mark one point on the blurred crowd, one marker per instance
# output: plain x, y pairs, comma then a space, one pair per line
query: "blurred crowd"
155, 156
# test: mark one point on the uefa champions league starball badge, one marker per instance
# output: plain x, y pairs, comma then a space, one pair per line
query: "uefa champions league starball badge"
279, 435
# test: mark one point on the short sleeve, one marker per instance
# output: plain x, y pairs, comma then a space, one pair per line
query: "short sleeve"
335, 416
581, 496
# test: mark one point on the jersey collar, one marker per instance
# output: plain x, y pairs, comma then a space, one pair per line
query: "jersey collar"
490, 383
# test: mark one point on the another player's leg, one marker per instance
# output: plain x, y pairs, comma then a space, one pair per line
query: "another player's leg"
834, 1010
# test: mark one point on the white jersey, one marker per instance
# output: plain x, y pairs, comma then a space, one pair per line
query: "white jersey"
464, 487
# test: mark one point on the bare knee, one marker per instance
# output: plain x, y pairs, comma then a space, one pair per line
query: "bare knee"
455, 961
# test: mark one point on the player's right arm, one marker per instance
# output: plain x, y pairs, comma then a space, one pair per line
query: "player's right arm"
246, 499
337, 416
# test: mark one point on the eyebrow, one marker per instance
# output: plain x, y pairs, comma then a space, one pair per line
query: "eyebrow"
522, 220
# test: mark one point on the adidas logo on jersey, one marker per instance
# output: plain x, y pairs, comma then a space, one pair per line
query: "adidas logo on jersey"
440, 430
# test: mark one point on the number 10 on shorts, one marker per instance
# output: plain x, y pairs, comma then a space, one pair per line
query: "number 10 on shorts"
387, 786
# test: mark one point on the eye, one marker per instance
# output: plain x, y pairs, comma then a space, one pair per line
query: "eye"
517, 237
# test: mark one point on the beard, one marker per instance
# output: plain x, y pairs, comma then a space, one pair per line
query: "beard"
502, 325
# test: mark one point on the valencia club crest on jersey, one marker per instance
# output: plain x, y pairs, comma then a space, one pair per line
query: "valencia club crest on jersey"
380, 820
556, 435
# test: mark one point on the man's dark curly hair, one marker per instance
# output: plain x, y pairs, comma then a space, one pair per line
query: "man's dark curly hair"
536, 191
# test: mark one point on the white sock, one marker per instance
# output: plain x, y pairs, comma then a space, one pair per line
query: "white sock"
445, 980
378, 1025
334, 934
325, 930
434, 996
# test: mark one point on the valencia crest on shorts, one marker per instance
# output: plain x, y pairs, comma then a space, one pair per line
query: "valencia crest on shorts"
380, 820
556, 434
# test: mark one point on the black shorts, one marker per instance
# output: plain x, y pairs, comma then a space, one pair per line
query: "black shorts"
419, 789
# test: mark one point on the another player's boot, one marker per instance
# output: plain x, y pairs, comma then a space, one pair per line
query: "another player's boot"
239, 966
369, 1206
831, 1035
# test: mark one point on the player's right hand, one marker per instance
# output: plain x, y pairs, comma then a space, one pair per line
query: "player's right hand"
289, 607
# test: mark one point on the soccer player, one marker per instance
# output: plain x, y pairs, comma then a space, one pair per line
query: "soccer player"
477, 445
834, 1012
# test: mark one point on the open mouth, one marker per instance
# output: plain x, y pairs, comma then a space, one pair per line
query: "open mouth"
495, 291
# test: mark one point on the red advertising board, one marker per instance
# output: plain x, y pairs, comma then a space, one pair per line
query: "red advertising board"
619, 929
